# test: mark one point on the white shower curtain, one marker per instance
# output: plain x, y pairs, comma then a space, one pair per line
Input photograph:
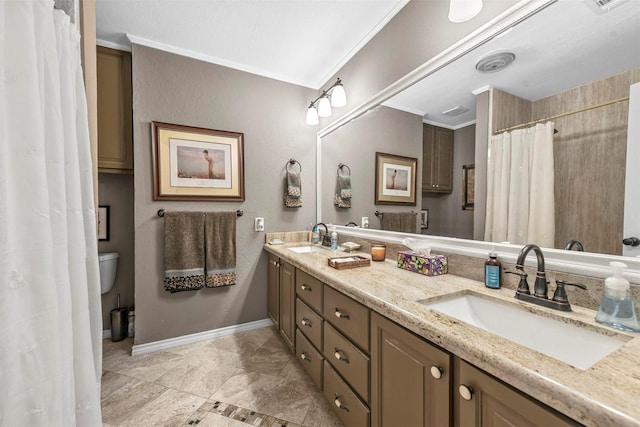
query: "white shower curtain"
520, 181
50, 315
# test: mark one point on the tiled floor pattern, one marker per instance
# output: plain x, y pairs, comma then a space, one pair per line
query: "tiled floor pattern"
244, 379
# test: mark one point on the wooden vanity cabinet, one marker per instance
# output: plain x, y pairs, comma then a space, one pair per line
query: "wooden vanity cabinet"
115, 111
437, 159
483, 401
281, 298
410, 378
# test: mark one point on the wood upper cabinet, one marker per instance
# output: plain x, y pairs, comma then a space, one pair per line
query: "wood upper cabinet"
437, 159
287, 304
273, 290
410, 378
115, 116
483, 401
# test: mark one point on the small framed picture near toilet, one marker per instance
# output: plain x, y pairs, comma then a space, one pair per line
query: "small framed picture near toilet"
103, 222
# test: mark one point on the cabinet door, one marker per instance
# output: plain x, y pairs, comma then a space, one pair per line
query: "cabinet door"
483, 401
287, 304
273, 290
115, 130
437, 159
410, 378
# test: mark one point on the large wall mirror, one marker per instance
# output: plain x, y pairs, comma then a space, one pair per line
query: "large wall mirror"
594, 50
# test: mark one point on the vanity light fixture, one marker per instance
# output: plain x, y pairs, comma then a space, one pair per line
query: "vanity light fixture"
463, 10
335, 96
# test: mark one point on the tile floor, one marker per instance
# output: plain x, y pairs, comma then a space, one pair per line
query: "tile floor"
249, 378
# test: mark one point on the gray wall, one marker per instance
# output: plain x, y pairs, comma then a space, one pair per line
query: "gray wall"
271, 114
384, 130
446, 217
116, 191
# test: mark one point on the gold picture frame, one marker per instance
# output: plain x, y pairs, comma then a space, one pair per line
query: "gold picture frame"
196, 164
396, 179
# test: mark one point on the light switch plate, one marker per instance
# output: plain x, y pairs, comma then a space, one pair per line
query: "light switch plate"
365, 222
259, 224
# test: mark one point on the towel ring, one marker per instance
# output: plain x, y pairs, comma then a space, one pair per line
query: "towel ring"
292, 162
341, 166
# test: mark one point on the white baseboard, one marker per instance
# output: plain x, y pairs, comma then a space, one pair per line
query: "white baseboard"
106, 334
199, 336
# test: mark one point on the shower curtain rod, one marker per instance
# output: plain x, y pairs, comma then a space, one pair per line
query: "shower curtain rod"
569, 113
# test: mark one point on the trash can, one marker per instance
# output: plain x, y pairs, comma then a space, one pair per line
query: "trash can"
119, 325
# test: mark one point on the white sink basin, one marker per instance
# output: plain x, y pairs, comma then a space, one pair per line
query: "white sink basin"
569, 343
304, 249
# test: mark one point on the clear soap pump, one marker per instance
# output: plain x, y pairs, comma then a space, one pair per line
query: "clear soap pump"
617, 309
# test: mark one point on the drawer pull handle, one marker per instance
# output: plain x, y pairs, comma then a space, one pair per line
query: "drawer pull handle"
305, 322
340, 356
304, 356
276, 263
340, 405
436, 372
341, 315
466, 392
306, 288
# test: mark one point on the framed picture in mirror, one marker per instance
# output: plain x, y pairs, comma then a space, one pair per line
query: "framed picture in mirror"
395, 180
103, 223
468, 184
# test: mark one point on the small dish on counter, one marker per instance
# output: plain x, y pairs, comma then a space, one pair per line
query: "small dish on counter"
350, 246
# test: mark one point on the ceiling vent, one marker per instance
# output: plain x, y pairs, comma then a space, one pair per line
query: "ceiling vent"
495, 62
602, 6
455, 111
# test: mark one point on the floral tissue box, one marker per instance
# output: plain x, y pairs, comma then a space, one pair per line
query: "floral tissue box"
430, 265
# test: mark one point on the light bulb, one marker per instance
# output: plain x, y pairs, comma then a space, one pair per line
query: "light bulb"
312, 115
338, 96
324, 107
463, 10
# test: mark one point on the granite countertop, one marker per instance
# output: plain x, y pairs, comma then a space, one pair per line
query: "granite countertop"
606, 394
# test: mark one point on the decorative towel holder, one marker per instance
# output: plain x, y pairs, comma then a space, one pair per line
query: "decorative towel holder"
161, 212
341, 166
292, 162
380, 214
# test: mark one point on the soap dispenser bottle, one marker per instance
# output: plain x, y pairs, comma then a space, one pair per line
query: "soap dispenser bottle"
334, 239
492, 271
315, 236
617, 309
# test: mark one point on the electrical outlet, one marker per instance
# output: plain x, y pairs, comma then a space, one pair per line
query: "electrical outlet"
365, 222
259, 224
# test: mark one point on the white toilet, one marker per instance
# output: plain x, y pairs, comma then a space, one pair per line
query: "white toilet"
108, 268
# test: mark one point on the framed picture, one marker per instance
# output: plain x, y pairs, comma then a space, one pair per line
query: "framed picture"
468, 184
193, 163
103, 223
395, 180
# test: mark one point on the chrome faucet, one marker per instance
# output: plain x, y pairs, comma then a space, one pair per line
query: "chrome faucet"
539, 297
571, 243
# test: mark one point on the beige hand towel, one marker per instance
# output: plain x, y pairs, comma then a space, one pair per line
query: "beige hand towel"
399, 221
220, 248
293, 189
183, 251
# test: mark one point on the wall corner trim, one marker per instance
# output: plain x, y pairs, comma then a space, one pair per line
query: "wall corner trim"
151, 347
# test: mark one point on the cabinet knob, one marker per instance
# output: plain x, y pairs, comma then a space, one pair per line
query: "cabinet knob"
340, 356
306, 288
276, 263
305, 322
341, 315
339, 404
436, 372
466, 392
304, 356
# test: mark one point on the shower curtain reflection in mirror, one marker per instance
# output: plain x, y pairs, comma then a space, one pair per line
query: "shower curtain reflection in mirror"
520, 186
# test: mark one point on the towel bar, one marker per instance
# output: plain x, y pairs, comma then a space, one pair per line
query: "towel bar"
379, 214
161, 212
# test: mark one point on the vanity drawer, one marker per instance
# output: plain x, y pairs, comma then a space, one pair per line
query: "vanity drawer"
309, 323
350, 362
309, 290
310, 358
349, 408
349, 317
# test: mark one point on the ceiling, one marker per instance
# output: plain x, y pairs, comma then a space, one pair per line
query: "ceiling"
304, 42
564, 46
